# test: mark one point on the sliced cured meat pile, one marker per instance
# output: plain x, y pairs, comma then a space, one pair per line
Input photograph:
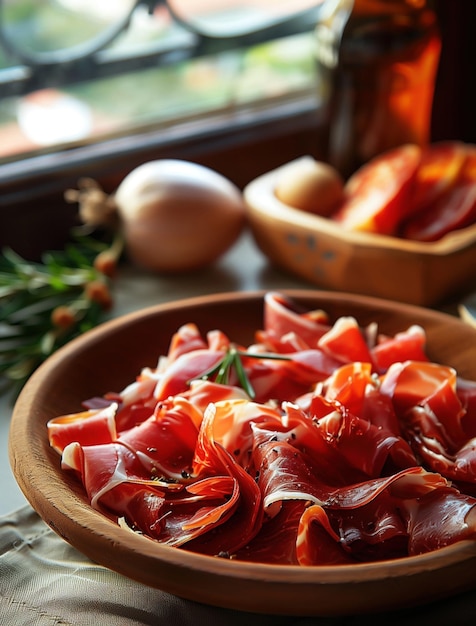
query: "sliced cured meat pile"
322, 443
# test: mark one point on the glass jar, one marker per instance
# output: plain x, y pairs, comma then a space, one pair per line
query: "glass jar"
377, 62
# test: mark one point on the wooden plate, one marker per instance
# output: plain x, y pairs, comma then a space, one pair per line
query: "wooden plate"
110, 356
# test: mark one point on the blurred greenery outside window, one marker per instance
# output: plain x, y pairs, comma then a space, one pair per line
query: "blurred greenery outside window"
84, 111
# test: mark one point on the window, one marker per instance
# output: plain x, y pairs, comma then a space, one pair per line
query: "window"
80, 70
228, 83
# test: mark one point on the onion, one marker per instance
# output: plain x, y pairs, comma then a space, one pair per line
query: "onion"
178, 215
174, 215
311, 186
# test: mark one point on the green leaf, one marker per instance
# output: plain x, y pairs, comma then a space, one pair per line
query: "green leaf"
232, 360
242, 377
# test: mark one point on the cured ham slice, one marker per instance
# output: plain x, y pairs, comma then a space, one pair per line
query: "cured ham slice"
328, 539
110, 473
165, 443
394, 523
282, 317
346, 342
408, 345
456, 515
434, 419
187, 338
277, 540
88, 427
466, 390
176, 378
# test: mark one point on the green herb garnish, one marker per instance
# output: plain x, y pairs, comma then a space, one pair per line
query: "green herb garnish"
220, 373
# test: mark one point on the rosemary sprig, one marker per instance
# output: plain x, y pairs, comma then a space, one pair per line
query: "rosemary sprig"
45, 304
221, 372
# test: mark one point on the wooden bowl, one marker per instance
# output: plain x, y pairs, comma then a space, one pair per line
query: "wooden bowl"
319, 250
109, 357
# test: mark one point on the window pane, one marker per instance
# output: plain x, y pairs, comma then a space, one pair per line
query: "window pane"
91, 110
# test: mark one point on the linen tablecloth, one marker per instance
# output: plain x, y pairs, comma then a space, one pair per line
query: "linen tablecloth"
46, 582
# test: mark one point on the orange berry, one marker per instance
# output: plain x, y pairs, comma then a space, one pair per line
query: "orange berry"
97, 291
63, 317
106, 263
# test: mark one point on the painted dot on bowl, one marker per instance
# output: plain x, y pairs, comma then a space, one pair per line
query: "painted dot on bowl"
329, 255
292, 239
311, 242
